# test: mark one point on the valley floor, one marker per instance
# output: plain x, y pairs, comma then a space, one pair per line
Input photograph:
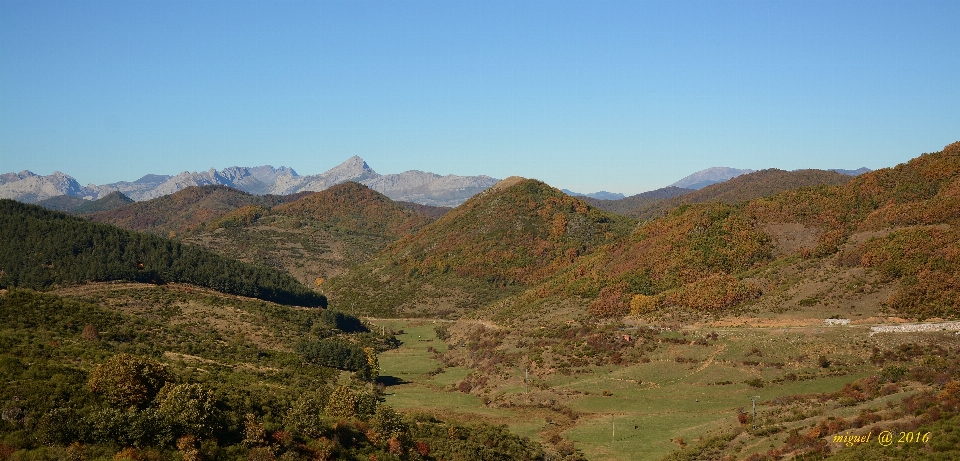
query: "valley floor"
686, 389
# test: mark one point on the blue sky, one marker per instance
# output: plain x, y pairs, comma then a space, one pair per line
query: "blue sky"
625, 96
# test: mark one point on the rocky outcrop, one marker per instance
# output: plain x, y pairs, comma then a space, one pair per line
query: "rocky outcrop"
354, 169
28, 187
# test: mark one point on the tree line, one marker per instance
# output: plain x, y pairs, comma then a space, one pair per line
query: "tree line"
42, 248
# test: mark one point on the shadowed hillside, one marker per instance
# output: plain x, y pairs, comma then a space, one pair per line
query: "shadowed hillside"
434, 212
510, 236
43, 248
627, 204
314, 238
77, 205
111, 201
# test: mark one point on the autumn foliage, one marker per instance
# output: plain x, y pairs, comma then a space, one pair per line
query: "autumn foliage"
496, 242
358, 208
128, 380
693, 257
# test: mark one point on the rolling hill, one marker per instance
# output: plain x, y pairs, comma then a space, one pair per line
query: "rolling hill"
108, 202
65, 203
77, 205
316, 237
513, 235
707, 258
627, 204
185, 210
357, 208
43, 249
745, 187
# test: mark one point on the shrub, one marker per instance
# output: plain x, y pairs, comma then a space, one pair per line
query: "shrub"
128, 380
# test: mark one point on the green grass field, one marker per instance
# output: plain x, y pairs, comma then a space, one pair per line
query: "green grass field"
642, 410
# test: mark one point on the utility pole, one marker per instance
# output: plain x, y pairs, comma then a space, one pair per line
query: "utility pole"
754, 400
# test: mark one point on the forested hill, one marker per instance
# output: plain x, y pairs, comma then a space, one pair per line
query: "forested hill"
355, 207
763, 183
901, 222
512, 235
41, 248
185, 211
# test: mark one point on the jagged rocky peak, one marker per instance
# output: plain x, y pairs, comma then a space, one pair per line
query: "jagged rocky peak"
268, 174
13, 177
354, 168
414, 186
28, 187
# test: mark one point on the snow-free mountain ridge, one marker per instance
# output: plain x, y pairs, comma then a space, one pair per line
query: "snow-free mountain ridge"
411, 186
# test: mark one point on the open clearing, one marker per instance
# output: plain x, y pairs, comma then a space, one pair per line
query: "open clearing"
646, 410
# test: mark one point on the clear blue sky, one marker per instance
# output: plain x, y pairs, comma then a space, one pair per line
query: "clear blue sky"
625, 96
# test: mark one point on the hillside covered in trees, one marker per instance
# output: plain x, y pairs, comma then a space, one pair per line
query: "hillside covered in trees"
750, 186
627, 205
314, 237
43, 248
355, 207
709, 257
508, 237
185, 210
135, 372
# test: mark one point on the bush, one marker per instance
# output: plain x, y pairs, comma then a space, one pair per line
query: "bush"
128, 380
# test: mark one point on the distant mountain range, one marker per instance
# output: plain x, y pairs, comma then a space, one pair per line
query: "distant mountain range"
410, 186
602, 195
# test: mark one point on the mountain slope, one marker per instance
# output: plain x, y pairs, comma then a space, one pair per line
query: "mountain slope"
108, 202
510, 236
625, 205
430, 188
28, 187
316, 237
353, 169
355, 207
894, 229
42, 248
65, 203
183, 211
71, 204
741, 188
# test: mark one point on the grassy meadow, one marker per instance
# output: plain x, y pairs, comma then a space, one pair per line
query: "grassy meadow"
683, 392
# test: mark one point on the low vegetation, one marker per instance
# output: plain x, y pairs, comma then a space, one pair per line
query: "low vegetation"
85, 381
